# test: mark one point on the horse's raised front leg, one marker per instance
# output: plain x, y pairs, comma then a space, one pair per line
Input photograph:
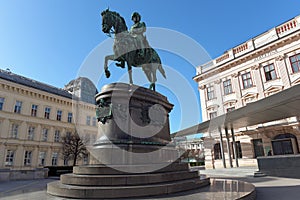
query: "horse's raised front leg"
107, 58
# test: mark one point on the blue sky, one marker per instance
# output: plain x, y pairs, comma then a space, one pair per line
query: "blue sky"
50, 40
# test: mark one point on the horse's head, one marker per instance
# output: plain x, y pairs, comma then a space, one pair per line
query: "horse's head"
111, 19
107, 20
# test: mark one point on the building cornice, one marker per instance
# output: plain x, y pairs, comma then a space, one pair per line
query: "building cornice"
14, 78
33, 93
248, 57
254, 48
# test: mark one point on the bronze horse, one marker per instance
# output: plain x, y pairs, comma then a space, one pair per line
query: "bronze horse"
126, 50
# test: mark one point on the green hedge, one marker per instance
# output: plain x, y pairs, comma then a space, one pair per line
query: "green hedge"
193, 164
58, 170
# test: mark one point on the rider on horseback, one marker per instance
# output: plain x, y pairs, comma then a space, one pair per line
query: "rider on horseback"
137, 32
127, 45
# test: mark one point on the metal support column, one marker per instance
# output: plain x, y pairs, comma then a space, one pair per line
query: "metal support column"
228, 147
234, 149
222, 148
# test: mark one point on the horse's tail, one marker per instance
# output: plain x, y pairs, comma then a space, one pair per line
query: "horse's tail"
156, 59
162, 71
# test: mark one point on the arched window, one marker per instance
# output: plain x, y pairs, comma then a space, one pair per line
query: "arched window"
285, 144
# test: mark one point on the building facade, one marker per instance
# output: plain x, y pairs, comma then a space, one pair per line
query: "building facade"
34, 117
256, 69
190, 149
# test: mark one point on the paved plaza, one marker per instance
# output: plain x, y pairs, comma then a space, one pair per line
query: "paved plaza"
267, 187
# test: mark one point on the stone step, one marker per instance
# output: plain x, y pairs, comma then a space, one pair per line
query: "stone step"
126, 179
102, 192
129, 169
259, 174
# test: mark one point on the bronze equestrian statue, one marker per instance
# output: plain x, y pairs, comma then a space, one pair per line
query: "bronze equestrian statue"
131, 46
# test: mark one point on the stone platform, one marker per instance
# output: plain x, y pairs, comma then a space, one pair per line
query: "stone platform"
219, 189
133, 156
100, 181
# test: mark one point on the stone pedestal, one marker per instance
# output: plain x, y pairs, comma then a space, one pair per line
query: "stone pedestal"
134, 154
133, 126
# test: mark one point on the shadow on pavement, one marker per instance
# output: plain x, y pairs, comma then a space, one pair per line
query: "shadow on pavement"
278, 193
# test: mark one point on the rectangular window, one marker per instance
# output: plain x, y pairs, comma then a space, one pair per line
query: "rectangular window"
94, 122
217, 151
47, 112
58, 115
247, 81
295, 63
27, 157
44, 135
230, 109
270, 72
70, 116
68, 134
238, 149
258, 147
54, 159
9, 157
227, 87
56, 136
18, 107
14, 130
1, 103
210, 92
66, 162
212, 115
85, 159
31, 133
34, 110
88, 120
42, 158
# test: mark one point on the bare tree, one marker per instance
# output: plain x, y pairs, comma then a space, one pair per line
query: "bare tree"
74, 148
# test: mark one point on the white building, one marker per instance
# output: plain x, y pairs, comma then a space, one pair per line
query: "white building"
254, 70
191, 150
